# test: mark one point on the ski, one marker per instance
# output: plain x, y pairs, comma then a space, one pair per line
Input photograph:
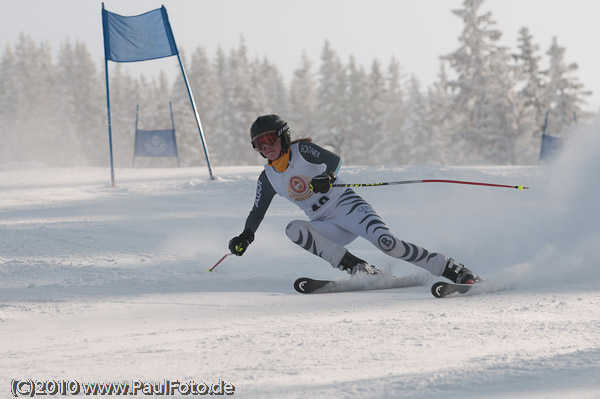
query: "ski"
442, 289
305, 285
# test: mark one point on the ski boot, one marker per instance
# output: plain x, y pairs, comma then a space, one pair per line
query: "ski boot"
459, 274
356, 266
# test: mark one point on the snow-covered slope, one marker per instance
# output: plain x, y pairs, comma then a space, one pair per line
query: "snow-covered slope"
111, 285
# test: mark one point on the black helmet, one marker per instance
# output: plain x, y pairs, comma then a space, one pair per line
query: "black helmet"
268, 123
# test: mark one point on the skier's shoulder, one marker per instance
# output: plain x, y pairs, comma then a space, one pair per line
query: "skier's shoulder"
307, 146
312, 152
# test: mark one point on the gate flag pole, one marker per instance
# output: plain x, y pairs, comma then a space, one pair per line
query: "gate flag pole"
198, 123
110, 147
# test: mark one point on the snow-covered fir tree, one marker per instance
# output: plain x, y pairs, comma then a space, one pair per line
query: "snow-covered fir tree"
387, 145
442, 118
356, 102
375, 113
531, 76
417, 135
331, 110
224, 108
124, 97
244, 104
37, 121
564, 94
83, 114
154, 98
8, 107
531, 105
268, 78
483, 90
206, 91
303, 99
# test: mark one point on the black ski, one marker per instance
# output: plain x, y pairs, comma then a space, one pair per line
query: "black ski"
305, 285
442, 289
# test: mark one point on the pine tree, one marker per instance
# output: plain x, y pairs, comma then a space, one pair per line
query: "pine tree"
564, 94
530, 102
8, 105
483, 88
268, 89
224, 110
82, 114
124, 96
303, 99
37, 138
244, 104
206, 90
331, 112
388, 147
357, 132
442, 118
531, 75
417, 134
157, 96
375, 112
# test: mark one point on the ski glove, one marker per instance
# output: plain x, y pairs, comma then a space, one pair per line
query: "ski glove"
239, 244
322, 183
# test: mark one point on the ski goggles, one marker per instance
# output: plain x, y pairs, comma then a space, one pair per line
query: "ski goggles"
266, 139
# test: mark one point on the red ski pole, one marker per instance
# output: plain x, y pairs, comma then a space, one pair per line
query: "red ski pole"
220, 260
520, 187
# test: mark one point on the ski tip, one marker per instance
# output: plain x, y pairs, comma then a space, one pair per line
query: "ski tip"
209, 270
299, 285
436, 289
443, 289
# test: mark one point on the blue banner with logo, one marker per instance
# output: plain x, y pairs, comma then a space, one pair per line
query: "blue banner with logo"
155, 143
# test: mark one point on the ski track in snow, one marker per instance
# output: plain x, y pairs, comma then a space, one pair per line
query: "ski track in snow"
111, 284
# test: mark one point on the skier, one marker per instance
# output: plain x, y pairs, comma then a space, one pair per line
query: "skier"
303, 172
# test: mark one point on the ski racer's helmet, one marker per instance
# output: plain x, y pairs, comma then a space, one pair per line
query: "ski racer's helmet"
271, 123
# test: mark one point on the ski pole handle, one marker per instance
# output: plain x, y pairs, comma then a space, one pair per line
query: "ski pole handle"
220, 260
520, 187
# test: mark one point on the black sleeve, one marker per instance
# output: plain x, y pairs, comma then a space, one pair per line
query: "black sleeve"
264, 195
318, 155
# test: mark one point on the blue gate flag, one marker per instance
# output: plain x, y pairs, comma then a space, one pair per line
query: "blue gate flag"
550, 147
155, 143
137, 38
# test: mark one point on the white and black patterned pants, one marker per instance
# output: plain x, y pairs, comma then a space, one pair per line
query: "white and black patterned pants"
350, 217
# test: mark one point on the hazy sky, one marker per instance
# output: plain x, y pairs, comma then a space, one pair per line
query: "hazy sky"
416, 32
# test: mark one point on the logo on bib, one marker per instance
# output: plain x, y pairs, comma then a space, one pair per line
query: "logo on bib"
298, 188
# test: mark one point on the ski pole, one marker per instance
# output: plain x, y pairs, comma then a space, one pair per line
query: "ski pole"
220, 260
520, 187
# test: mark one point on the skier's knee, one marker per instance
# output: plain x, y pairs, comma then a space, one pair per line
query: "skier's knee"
294, 227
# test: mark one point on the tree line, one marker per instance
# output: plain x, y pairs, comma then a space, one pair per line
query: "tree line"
487, 106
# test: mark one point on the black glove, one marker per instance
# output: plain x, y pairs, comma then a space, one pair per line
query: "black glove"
322, 183
238, 245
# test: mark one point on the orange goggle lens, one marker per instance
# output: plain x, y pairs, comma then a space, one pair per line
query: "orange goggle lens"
265, 139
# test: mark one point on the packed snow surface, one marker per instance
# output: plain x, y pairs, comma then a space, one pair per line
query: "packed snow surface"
102, 284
